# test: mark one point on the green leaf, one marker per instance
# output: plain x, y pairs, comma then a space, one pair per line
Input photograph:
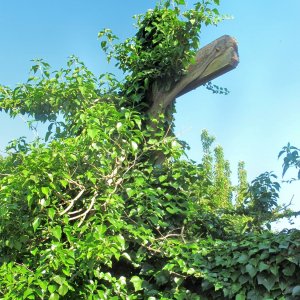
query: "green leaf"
48, 134
46, 190
289, 270
138, 123
56, 231
103, 44
137, 283
172, 210
119, 126
262, 266
74, 157
50, 176
296, 291
58, 279
54, 296
243, 259
268, 281
29, 200
243, 279
240, 297
283, 285
126, 255
51, 213
27, 293
43, 285
134, 146
92, 133
64, 182
162, 178
130, 192
52, 288
36, 223
163, 276
274, 270
63, 289
251, 270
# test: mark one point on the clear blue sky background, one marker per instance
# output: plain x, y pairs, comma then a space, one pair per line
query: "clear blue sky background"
252, 123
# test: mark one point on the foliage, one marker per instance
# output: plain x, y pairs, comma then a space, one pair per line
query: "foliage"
252, 267
291, 159
88, 213
163, 48
242, 184
263, 194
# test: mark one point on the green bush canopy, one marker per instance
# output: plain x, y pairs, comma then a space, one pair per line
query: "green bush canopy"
90, 212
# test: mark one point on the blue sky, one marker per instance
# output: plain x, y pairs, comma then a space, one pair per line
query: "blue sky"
252, 123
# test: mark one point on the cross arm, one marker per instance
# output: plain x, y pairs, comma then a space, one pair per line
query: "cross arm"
213, 60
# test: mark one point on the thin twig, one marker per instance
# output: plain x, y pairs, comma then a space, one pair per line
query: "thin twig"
168, 235
75, 212
182, 234
76, 183
152, 249
72, 202
83, 215
177, 274
22, 265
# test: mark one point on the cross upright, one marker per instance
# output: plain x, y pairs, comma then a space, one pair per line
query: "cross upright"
212, 61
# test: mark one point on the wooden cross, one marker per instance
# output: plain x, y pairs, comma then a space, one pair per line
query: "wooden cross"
212, 61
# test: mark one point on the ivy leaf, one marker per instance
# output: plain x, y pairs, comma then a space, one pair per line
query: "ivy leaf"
251, 270
289, 270
52, 288
243, 259
240, 297
137, 283
162, 277
54, 296
126, 256
262, 266
296, 291
162, 178
267, 281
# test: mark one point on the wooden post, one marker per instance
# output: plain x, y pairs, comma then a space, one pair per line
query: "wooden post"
212, 61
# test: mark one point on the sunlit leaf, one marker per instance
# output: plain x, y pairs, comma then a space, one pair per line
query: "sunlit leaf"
137, 283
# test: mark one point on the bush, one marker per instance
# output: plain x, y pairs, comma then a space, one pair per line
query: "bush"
92, 212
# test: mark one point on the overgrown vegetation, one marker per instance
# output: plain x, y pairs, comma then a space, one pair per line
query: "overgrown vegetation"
88, 213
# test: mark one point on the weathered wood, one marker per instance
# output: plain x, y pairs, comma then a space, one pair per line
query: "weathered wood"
212, 61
